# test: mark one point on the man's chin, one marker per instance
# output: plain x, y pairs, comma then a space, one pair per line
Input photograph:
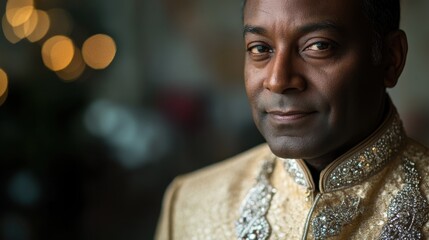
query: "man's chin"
293, 148
284, 150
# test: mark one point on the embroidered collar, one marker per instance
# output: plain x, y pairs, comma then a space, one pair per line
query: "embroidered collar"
355, 166
359, 163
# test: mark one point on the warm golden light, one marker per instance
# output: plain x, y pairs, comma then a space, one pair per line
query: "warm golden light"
58, 52
27, 28
75, 69
3, 86
19, 11
8, 31
98, 51
41, 28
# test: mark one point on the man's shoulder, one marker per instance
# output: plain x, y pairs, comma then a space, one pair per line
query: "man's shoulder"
244, 161
227, 174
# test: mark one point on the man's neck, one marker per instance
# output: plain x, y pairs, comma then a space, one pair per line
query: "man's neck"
316, 166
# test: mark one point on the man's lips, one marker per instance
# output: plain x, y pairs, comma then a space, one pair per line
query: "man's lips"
289, 115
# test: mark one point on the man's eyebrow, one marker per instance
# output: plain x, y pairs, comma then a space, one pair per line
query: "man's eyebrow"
325, 25
253, 29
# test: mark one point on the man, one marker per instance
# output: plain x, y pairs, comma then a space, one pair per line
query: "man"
338, 164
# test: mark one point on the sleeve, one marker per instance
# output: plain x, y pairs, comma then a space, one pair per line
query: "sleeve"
165, 226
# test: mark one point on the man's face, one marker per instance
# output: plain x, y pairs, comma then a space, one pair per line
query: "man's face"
310, 77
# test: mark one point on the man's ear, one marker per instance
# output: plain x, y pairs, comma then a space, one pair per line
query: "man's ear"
396, 55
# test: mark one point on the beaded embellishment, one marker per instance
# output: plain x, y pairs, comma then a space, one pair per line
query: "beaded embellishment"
292, 167
409, 209
369, 161
330, 221
252, 224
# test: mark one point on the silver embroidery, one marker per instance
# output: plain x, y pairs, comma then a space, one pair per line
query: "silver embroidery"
369, 161
330, 221
293, 168
252, 224
409, 209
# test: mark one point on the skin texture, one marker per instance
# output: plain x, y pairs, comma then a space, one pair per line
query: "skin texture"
314, 89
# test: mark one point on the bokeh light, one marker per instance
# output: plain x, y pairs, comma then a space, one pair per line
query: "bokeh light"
24, 188
25, 29
75, 69
19, 11
41, 28
137, 136
3, 86
98, 51
58, 52
8, 31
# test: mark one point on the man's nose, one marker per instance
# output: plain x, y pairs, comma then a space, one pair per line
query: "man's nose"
283, 76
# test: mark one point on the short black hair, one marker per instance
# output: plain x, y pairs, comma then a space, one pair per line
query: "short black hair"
383, 15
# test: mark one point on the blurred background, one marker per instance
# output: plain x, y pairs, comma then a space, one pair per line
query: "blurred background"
103, 102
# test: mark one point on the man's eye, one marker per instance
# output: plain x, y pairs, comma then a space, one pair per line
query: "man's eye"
258, 49
319, 46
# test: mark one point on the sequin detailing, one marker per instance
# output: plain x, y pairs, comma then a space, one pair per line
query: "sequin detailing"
292, 167
409, 209
252, 224
330, 221
407, 212
369, 161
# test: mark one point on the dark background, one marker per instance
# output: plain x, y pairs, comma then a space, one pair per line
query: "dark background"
91, 158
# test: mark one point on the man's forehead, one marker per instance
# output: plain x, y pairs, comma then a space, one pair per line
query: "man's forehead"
303, 13
303, 7
303, 29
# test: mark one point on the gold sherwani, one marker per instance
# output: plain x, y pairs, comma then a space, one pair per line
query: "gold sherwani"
377, 190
